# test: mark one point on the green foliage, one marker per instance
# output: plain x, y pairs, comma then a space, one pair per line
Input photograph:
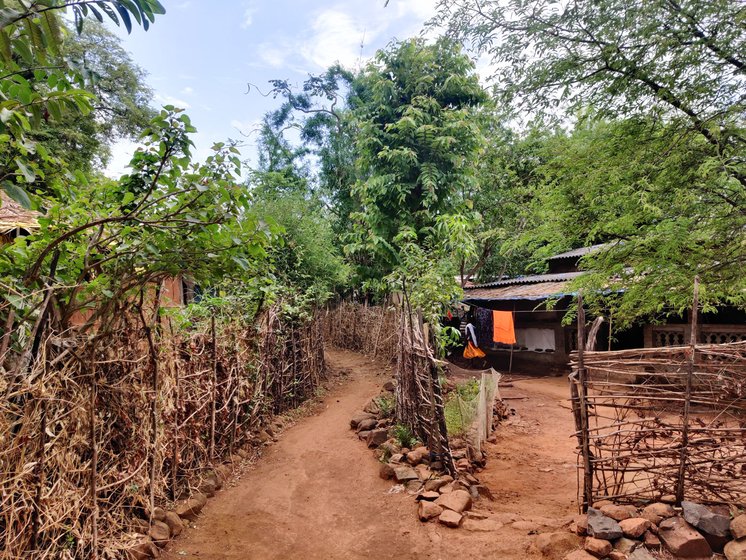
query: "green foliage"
100, 241
386, 404
418, 140
404, 435
40, 83
460, 406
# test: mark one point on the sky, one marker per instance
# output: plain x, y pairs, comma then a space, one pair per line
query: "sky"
201, 55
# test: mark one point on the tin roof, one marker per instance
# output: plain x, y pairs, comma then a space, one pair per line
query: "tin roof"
537, 291
581, 252
530, 279
13, 215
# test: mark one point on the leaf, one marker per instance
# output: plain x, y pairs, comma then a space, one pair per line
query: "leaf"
17, 193
28, 174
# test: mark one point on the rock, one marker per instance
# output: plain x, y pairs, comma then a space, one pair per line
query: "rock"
736, 550
634, 527
447, 488
159, 514
363, 435
579, 555
403, 473
682, 539
484, 492
377, 437
209, 486
450, 518
602, 527
655, 513
429, 496
625, 545
556, 545
366, 425
191, 508
457, 501
359, 417
738, 526
144, 550
581, 524
396, 458
651, 540
428, 510
386, 471
423, 472
481, 525
505, 517
139, 525
597, 547
174, 522
160, 533
616, 555
435, 484
618, 513
389, 386
478, 515
416, 456
640, 554
705, 520
223, 473
413, 486
527, 526
372, 407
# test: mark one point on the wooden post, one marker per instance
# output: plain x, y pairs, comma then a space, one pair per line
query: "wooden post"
214, 388
688, 397
585, 431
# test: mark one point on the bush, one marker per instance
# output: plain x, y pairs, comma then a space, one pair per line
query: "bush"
386, 405
404, 436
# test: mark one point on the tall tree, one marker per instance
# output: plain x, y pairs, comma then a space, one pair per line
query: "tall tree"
418, 141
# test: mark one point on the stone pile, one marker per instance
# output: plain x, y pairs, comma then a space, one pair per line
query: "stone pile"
624, 532
417, 471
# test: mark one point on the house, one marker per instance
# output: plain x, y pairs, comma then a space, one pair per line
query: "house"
542, 341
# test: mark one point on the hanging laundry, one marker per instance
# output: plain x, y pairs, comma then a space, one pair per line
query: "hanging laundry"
503, 329
483, 318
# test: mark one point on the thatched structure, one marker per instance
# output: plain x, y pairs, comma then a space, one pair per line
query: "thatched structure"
15, 220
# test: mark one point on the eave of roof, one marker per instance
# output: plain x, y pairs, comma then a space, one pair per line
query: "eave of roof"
530, 279
14, 216
537, 291
580, 252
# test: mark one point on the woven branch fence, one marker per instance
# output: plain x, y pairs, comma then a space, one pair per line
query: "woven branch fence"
100, 427
662, 424
397, 334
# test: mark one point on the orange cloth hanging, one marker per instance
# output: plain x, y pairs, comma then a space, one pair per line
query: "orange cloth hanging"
502, 327
472, 351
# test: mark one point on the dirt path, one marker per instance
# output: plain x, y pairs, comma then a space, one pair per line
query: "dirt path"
316, 493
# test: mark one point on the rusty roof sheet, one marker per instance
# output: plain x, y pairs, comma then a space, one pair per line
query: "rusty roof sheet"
532, 279
537, 291
13, 215
580, 252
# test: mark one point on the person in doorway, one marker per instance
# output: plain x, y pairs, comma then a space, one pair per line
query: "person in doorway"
472, 349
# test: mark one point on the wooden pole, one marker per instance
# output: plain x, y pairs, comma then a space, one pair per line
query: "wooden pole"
213, 392
510, 365
688, 396
582, 378
94, 461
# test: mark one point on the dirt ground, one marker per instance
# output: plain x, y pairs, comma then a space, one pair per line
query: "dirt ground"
316, 494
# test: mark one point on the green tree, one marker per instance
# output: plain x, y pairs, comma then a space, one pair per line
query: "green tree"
38, 83
418, 141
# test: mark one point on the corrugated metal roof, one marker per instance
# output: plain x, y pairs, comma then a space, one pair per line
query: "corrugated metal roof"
13, 215
531, 279
581, 252
537, 291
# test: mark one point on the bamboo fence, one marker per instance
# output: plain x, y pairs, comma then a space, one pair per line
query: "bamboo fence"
662, 424
99, 428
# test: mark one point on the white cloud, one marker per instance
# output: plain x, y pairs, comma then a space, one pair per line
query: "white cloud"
273, 55
170, 100
337, 37
248, 16
187, 90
